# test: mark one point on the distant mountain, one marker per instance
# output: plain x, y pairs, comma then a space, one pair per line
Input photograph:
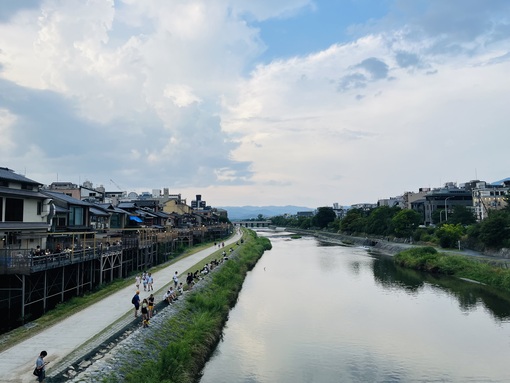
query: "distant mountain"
248, 212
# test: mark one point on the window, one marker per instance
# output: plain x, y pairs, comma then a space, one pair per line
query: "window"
115, 221
1, 209
27, 187
13, 210
39, 207
76, 216
61, 222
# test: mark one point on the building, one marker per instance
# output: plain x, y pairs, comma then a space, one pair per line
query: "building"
25, 214
392, 202
443, 200
488, 197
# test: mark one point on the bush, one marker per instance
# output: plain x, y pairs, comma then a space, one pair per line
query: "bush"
428, 259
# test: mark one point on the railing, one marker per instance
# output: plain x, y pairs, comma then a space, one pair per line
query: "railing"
22, 262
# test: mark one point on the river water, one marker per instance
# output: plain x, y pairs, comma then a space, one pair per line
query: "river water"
314, 312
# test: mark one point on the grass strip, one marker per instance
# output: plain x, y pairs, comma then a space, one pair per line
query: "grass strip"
192, 334
430, 260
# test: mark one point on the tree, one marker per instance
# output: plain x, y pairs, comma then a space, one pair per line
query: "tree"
324, 216
404, 222
461, 215
449, 235
495, 229
353, 221
379, 220
305, 223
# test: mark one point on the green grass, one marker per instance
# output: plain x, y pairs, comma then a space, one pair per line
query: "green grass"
430, 260
192, 333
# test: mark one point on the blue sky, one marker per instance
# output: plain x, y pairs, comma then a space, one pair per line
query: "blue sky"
317, 26
256, 102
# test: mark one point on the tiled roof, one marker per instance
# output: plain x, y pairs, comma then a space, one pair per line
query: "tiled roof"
22, 193
8, 174
65, 198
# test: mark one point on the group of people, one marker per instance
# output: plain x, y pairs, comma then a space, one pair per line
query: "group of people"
146, 307
173, 291
146, 279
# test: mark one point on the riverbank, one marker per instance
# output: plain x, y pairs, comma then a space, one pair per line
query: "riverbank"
182, 336
373, 244
387, 247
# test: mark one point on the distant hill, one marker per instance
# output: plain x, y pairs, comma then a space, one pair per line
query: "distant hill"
248, 212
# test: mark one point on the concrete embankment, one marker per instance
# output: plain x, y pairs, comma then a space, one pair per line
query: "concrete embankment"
376, 245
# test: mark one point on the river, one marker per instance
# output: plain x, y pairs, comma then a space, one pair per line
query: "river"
315, 312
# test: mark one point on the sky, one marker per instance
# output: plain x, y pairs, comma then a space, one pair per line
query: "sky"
256, 102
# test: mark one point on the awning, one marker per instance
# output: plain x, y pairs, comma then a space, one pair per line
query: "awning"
135, 218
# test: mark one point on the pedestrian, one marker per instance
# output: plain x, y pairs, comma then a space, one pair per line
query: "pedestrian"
40, 368
145, 281
176, 279
136, 302
150, 281
145, 312
189, 281
151, 305
137, 282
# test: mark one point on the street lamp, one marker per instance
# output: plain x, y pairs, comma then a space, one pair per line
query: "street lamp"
446, 209
441, 216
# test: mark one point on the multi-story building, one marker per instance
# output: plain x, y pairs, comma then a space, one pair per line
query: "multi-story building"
412, 197
25, 213
392, 202
443, 199
364, 206
488, 197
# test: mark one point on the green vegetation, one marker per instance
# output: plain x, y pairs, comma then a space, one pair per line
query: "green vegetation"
295, 236
188, 338
393, 222
430, 260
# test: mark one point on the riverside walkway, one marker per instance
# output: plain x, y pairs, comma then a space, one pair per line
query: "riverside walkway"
72, 338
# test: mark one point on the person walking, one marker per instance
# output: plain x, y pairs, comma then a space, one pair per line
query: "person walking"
176, 279
150, 281
136, 302
40, 368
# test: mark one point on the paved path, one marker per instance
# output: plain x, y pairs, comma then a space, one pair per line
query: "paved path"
67, 336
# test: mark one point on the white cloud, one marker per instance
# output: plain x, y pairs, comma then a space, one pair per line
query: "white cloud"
170, 94
181, 95
413, 131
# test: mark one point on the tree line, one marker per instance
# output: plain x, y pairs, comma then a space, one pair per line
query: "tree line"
384, 221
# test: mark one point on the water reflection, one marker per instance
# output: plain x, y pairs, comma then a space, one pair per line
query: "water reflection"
310, 312
468, 295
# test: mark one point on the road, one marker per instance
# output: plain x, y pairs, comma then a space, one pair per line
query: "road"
74, 332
